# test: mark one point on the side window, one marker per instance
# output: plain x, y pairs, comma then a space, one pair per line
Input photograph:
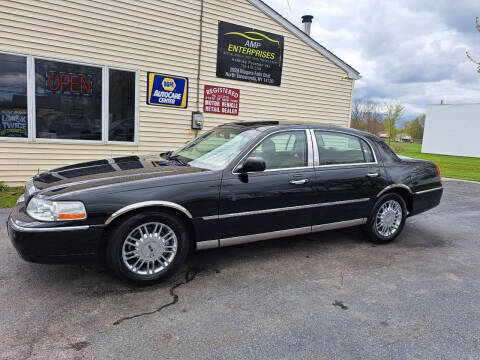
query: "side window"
337, 148
287, 149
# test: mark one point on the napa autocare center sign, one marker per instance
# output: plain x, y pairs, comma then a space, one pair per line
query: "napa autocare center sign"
221, 100
249, 54
167, 90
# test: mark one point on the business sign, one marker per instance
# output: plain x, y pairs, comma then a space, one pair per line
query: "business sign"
221, 100
167, 90
13, 123
70, 83
248, 54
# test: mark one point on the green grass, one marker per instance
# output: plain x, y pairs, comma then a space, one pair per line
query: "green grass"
457, 167
9, 196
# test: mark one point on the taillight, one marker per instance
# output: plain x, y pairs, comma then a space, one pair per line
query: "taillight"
438, 171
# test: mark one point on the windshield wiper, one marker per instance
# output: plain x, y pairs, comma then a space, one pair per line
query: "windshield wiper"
177, 159
166, 154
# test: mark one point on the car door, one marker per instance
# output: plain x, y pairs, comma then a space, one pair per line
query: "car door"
272, 200
347, 177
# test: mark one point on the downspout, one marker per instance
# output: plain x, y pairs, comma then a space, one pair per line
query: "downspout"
199, 63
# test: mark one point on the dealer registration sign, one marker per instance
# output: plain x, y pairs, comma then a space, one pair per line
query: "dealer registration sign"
221, 100
249, 54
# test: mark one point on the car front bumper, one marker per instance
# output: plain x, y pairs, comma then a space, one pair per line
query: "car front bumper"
52, 242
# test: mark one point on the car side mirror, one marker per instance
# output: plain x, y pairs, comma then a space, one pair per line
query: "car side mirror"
252, 164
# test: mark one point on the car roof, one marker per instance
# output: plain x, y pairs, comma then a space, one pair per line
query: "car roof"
271, 125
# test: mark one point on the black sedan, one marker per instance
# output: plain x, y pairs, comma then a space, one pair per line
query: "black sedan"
237, 183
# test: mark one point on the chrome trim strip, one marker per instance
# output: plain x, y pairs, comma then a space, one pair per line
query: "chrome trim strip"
392, 186
16, 227
209, 244
289, 208
264, 236
338, 225
429, 190
144, 204
284, 233
309, 148
263, 138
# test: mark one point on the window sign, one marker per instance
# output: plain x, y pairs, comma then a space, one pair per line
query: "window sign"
167, 90
61, 82
221, 100
68, 99
249, 55
13, 96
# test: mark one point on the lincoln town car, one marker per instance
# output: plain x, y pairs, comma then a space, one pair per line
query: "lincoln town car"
238, 183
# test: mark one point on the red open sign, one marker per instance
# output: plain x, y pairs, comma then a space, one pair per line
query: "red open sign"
61, 82
221, 100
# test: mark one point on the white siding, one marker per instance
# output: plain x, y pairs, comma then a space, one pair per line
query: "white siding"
452, 130
163, 37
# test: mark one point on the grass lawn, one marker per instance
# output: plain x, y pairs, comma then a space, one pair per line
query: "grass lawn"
9, 196
457, 167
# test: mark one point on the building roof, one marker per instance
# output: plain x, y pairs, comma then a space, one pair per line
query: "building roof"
352, 73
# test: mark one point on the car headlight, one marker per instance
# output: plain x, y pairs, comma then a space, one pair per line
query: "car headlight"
47, 210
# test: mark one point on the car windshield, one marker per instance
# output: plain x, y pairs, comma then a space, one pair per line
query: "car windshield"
215, 149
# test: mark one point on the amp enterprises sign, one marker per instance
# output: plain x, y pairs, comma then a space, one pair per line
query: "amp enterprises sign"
249, 55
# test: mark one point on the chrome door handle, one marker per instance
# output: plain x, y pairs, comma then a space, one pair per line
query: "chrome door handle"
299, 182
372, 175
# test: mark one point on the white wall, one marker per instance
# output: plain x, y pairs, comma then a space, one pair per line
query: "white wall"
452, 130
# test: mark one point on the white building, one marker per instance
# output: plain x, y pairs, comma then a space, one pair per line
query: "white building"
452, 130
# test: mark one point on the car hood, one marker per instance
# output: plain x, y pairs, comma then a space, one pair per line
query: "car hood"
105, 172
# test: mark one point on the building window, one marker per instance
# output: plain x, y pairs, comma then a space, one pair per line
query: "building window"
64, 100
68, 101
13, 96
121, 105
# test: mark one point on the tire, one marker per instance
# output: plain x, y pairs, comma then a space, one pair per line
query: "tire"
147, 247
379, 234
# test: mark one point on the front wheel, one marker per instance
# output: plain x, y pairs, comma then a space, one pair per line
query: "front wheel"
147, 247
387, 219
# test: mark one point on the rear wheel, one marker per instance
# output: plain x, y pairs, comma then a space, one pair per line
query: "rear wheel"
387, 219
147, 247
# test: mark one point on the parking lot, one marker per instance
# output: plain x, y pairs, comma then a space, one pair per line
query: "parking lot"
330, 295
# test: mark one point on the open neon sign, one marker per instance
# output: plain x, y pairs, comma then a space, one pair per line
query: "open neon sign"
70, 83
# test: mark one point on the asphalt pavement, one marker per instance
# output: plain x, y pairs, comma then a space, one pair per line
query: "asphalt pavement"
330, 295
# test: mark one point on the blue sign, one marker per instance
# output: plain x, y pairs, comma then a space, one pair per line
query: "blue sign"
167, 90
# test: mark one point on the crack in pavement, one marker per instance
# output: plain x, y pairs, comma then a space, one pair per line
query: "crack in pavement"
190, 274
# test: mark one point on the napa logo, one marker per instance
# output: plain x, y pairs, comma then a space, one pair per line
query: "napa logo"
167, 90
168, 84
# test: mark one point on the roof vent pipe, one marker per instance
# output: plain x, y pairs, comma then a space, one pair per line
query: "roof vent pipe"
307, 23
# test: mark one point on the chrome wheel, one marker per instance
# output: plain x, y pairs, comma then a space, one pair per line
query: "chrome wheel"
389, 218
149, 248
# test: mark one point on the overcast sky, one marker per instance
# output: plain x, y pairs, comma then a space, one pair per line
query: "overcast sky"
412, 51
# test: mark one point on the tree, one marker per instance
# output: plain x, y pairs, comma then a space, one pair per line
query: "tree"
394, 113
476, 62
366, 116
416, 127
